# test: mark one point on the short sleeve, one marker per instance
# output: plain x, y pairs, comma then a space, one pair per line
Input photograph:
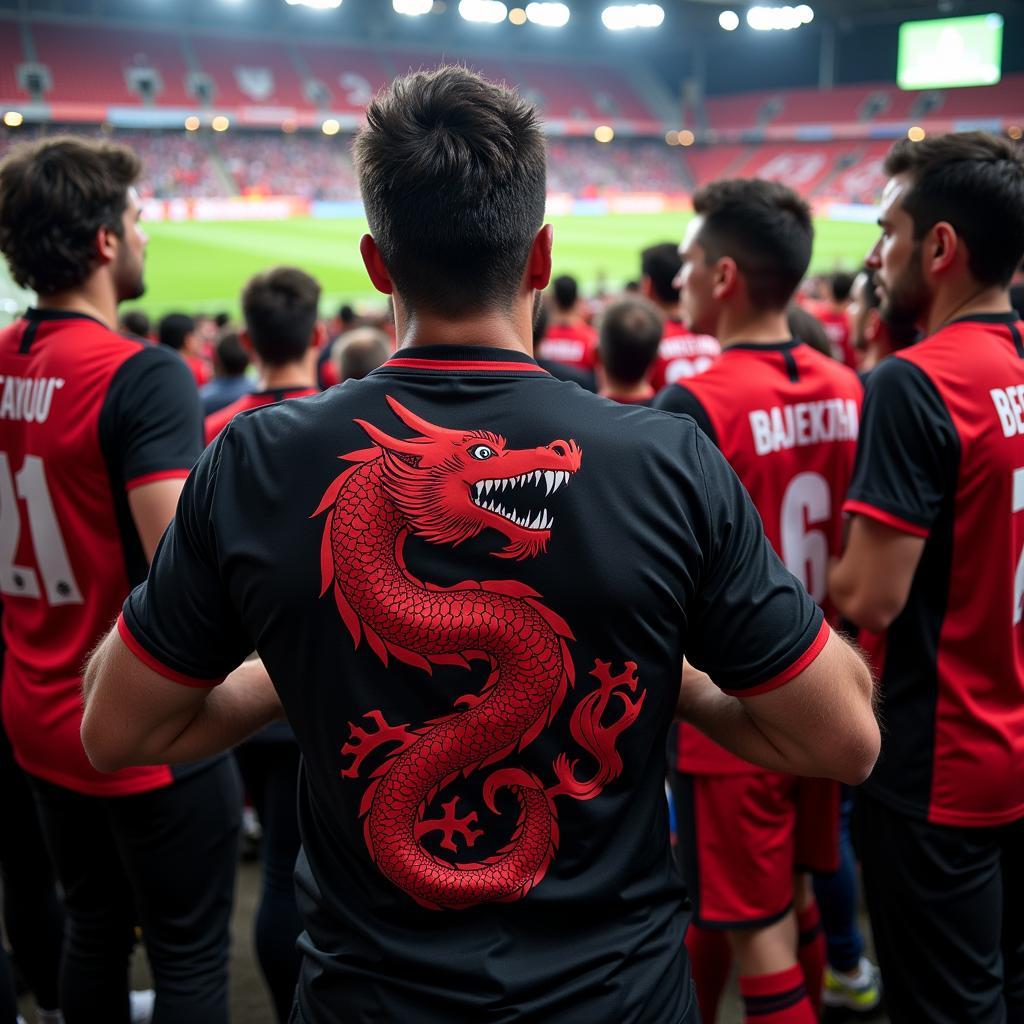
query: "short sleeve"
755, 627
151, 422
908, 451
680, 399
181, 621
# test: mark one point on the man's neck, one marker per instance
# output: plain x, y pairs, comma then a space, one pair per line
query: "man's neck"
972, 300
98, 302
513, 331
622, 392
290, 377
669, 310
752, 329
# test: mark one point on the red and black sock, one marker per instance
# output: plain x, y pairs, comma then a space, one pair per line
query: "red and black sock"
710, 960
779, 998
812, 952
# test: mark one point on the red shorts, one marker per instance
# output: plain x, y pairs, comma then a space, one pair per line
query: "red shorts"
741, 838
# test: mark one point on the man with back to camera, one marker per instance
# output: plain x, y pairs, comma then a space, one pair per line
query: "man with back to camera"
479, 699
281, 334
933, 567
682, 353
568, 338
230, 378
359, 352
785, 417
626, 347
97, 434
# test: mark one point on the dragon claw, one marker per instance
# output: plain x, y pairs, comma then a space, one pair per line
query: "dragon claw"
450, 825
363, 742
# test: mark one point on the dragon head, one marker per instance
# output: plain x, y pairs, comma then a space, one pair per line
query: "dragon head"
452, 484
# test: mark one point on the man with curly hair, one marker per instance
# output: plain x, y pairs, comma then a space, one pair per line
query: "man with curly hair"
98, 431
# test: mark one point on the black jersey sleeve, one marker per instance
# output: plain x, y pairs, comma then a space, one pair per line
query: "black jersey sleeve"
151, 422
754, 625
679, 398
908, 452
183, 618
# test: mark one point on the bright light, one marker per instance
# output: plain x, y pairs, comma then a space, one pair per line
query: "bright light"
330, 127
686, 137
620, 17
316, 5
915, 134
220, 123
770, 19
672, 138
548, 15
414, 8
604, 133
289, 127
517, 16
490, 12
729, 20
14, 119
192, 123
1014, 131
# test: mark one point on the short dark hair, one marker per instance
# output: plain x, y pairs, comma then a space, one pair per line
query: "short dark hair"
840, 284
975, 182
452, 174
55, 194
135, 321
174, 328
280, 311
360, 351
630, 334
660, 263
765, 227
221, 320
230, 355
565, 292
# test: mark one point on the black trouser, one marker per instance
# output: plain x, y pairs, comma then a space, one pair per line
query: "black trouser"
165, 859
946, 911
33, 916
270, 770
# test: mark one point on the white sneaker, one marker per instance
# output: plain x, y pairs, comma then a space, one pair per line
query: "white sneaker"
142, 1002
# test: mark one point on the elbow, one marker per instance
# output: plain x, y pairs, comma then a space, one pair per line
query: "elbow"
103, 755
875, 613
859, 756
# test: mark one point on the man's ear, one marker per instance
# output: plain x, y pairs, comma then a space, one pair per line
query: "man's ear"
107, 242
872, 325
726, 278
942, 247
374, 263
538, 268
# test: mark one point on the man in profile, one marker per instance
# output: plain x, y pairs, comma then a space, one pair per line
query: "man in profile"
481, 701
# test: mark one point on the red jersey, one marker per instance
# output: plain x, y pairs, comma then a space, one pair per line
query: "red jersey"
218, 420
682, 354
837, 330
942, 457
786, 418
572, 344
85, 415
200, 370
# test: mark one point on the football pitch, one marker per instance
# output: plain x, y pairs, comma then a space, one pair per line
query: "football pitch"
201, 266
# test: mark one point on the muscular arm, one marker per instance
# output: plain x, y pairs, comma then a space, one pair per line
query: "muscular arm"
152, 507
134, 715
821, 723
870, 584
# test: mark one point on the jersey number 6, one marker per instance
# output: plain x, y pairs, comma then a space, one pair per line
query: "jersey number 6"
807, 501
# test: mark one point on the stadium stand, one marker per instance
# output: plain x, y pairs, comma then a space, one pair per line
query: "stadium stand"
249, 72
350, 77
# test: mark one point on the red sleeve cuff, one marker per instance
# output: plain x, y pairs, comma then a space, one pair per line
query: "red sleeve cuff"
862, 508
155, 664
817, 645
151, 478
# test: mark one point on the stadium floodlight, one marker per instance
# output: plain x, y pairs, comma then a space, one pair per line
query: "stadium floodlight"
331, 126
220, 123
772, 19
489, 12
192, 123
729, 20
517, 16
604, 133
548, 15
315, 5
916, 133
413, 8
14, 118
686, 137
621, 17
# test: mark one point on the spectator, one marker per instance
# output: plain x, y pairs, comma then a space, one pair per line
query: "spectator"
808, 328
359, 352
134, 321
178, 332
835, 317
628, 342
326, 367
230, 379
568, 340
874, 337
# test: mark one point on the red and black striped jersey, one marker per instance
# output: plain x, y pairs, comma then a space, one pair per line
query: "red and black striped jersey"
85, 416
942, 457
786, 418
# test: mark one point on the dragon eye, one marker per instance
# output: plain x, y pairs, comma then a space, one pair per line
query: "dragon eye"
481, 451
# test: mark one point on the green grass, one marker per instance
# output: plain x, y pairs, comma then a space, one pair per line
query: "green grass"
196, 266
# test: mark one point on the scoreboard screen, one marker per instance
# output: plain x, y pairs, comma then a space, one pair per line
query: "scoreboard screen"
950, 52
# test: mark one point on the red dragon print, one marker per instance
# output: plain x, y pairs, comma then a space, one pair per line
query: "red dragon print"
447, 486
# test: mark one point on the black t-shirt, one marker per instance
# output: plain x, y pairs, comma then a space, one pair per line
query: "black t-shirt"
476, 621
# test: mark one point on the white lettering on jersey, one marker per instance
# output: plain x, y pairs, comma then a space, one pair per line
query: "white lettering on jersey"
27, 398
806, 423
1009, 403
563, 350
